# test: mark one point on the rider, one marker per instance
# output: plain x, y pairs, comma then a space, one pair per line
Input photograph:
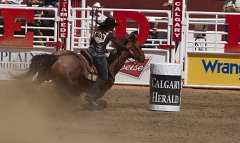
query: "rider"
99, 40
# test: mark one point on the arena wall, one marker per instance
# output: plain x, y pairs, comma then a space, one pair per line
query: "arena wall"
211, 41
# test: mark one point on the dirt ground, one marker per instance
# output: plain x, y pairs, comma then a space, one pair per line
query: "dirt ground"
40, 115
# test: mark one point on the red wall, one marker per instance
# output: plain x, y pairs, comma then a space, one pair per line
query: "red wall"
205, 5
193, 5
134, 4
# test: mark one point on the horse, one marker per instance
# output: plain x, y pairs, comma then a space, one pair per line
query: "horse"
66, 68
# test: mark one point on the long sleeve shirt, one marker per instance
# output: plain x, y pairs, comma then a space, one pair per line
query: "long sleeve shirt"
99, 43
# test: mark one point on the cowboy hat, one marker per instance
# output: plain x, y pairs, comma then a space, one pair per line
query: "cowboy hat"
168, 3
97, 5
109, 21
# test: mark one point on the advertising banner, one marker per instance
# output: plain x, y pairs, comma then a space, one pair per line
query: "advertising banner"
15, 62
12, 23
63, 23
165, 86
139, 73
177, 20
213, 69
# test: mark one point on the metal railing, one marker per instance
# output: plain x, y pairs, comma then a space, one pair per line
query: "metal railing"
215, 35
81, 32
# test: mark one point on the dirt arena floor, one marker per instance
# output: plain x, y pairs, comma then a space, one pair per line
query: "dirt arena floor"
40, 115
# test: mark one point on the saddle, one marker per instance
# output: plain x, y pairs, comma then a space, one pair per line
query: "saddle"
90, 70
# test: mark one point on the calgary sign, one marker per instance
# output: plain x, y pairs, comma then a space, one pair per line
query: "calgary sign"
177, 20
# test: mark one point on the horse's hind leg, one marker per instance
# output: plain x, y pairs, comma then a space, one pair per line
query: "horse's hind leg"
40, 78
31, 86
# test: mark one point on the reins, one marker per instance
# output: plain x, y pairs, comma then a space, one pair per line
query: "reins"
128, 59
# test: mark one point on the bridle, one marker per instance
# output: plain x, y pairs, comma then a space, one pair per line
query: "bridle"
132, 53
131, 48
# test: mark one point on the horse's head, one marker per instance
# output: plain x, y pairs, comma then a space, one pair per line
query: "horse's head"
135, 49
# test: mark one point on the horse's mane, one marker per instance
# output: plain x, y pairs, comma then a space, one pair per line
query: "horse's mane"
114, 54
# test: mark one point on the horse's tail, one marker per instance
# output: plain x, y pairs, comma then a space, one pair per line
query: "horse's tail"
39, 63
42, 63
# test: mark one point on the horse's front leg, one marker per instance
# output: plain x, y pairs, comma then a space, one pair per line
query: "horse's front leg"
106, 87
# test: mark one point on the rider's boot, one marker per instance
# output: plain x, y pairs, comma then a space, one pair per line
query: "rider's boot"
91, 95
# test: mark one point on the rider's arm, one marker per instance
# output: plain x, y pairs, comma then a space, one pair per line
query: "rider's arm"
118, 44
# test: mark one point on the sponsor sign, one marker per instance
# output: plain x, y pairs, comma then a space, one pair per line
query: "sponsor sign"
165, 86
213, 69
165, 89
63, 23
134, 69
139, 18
15, 62
138, 73
12, 25
177, 20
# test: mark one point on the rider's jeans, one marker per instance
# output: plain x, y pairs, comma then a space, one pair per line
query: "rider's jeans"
102, 68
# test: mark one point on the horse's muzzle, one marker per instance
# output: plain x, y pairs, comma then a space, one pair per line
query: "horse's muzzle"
141, 59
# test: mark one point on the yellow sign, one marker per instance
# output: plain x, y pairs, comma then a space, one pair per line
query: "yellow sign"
213, 69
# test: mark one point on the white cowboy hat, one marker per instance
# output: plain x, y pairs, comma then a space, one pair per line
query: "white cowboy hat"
97, 5
168, 3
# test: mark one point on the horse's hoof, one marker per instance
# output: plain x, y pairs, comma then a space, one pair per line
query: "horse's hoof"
88, 103
97, 105
85, 101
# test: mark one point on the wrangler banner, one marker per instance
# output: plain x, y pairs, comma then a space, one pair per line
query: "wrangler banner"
213, 69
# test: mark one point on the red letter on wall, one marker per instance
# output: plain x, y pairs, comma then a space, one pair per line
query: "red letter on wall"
121, 17
10, 26
233, 33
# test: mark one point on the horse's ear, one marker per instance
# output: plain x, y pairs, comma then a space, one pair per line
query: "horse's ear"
132, 36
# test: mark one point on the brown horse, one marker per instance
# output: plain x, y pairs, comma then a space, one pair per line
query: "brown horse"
66, 69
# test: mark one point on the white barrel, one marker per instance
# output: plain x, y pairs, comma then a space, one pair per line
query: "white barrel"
165, 86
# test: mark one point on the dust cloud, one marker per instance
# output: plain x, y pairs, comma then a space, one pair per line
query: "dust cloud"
30, 114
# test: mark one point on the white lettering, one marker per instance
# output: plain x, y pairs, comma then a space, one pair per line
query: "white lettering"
177, 30
177, 19
165, 84
177, 14
63, 24
158, 98
63, 14
178, 3
177, 34
63, 9
177, 9
177, 25
133, 68
63, 35
63, 30
63, 18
